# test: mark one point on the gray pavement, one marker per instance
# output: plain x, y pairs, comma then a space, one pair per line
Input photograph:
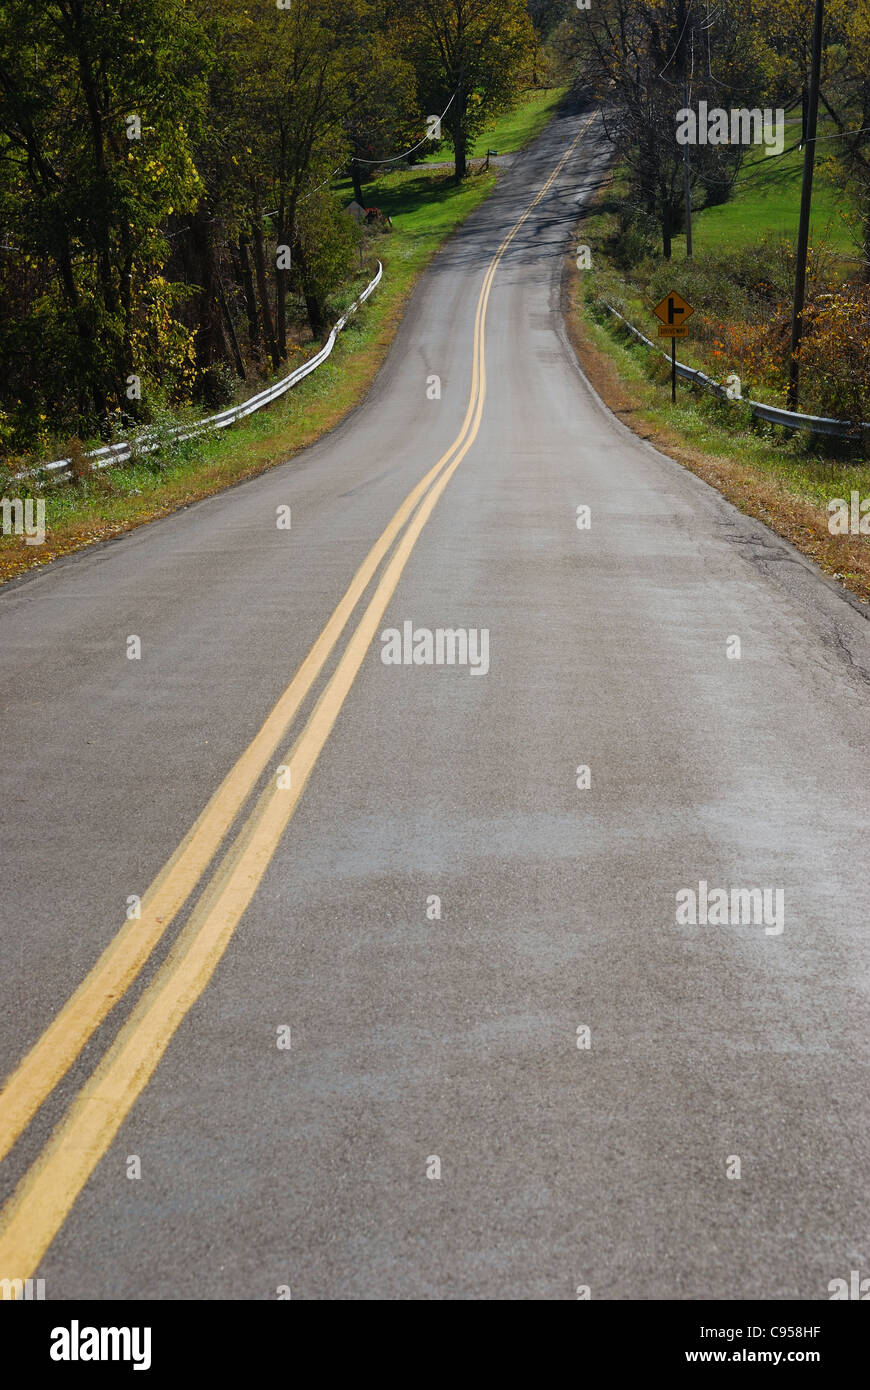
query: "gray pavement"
412, 1037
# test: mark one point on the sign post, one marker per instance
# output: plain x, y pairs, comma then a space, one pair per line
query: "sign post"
673, 312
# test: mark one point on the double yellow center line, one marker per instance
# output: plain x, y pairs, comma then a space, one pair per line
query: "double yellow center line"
44, 1197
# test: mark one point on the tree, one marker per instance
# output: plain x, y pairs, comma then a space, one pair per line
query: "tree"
292, 78
97, 104
468, 53
647, 60
846, 98
382, 116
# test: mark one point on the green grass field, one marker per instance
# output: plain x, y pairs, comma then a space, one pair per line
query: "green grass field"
766, 200
511, 131
424, 204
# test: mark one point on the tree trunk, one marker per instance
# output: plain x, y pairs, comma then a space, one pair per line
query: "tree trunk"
84, 330
314, 306
667, 229
460, 138
102, 206
262, 286
74, 24
281, 288
127, 365
211, 344
231, 330
250, 299
281, 317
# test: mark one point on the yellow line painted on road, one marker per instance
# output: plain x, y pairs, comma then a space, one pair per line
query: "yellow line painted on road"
108, 980
43, 1199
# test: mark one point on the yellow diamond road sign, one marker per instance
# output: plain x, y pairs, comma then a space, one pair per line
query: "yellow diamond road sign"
673, 311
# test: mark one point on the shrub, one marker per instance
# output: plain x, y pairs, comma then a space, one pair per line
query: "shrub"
835, 353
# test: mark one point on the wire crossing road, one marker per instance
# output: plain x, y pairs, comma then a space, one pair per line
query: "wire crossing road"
327, 968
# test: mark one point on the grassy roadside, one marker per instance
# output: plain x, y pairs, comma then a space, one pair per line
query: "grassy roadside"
767, 195
512, 130
740, 280
786, 479
782, 479
425, 207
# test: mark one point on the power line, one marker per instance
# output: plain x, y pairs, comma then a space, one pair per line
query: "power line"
396, 158
354, 159
393, 159
840, 135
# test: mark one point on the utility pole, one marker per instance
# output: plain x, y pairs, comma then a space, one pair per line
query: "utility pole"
687, 180
800, 275
687, 175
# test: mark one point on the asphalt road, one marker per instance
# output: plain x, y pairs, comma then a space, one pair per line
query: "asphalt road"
414, 1037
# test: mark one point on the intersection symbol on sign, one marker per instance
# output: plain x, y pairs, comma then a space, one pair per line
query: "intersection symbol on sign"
673, 310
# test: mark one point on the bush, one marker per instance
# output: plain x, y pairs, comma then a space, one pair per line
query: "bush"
835, 353
217, 385
637, 239
744, 285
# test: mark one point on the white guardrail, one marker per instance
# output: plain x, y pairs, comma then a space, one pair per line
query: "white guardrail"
117, 453
791, 419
